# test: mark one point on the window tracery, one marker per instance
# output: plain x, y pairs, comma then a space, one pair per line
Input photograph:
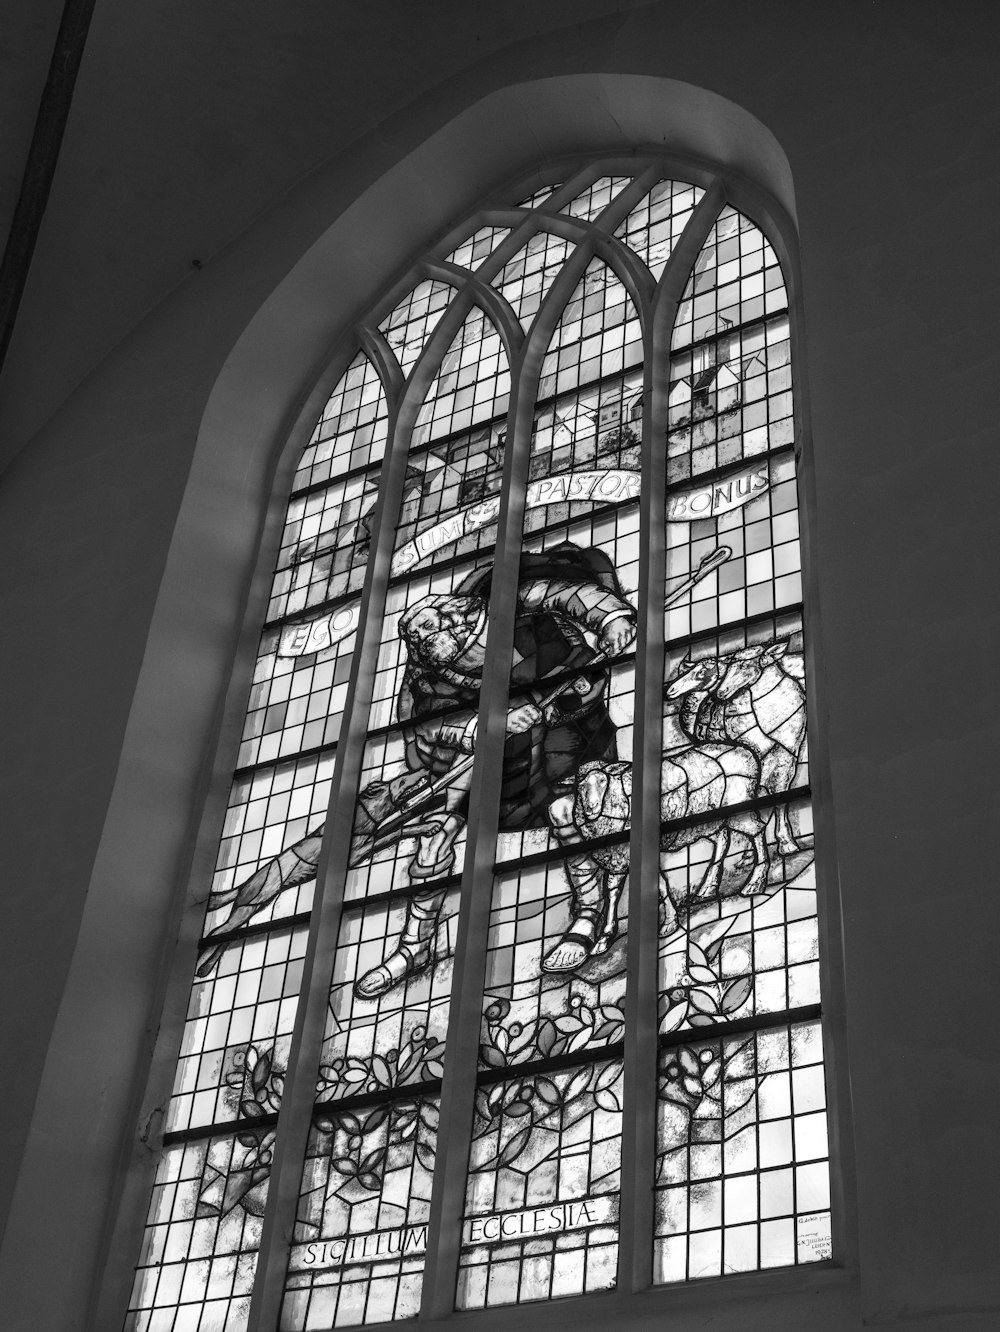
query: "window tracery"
444, 725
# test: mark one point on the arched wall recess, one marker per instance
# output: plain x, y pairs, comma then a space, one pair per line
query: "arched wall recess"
255, 397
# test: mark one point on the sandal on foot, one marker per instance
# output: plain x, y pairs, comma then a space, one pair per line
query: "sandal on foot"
583, 931
396, 967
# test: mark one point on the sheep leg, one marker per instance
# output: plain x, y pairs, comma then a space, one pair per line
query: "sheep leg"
757, 882
712, 879
787, 845
776, 776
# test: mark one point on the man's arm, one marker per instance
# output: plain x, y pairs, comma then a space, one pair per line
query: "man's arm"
603, 612
428, 739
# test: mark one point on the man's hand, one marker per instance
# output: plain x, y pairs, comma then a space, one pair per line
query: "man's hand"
522, 719
617, 635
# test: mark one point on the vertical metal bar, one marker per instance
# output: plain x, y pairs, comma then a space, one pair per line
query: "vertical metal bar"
639, 1121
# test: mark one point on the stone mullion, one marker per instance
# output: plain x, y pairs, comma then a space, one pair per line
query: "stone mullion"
297, 1105
574, 229
462, 1055
297, 1108
524, 223
461, 1066
573, 186
639, 1119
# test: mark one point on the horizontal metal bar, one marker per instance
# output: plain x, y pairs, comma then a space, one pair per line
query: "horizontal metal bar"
554, 854
447, 883
407, 1092
714, 1030
554, 1064
230, 1128
352, 474
793, 608
314, 751
254, 931
736, 329
669, 826
733, 468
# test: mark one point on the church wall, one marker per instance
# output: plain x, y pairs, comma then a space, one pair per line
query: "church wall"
131, 522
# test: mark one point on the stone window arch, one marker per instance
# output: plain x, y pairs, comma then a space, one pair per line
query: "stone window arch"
536, 621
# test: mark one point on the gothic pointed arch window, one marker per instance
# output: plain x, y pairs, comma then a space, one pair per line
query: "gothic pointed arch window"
508, 986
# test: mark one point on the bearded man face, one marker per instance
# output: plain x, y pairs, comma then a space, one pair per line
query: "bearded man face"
437, 628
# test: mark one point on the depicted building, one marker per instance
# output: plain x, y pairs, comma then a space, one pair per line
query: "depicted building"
543, 418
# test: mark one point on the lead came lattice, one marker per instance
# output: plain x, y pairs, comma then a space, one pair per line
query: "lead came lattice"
741, 1173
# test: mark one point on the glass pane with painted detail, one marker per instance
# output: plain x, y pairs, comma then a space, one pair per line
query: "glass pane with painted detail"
540, 196
736, 280
567, 777
472, 385
594, 430
380, 1038
199, 1252
351, 432
409, 824
325, 544
269, 848
548, 993
599, 334
542, 1199
741, 1162
742, 1173
653, 228
595, 197
734, 732
472, 252
730, 399
238, 1032
429, 614
525, 280
300, 687
357, 1253
748, 948
414, 319
451, 499
737, 538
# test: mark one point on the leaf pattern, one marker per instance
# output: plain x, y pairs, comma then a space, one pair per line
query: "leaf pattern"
706, 995
706, 1087
363, 1147
512, 1112
419, 1059
258, 1085
582, 1026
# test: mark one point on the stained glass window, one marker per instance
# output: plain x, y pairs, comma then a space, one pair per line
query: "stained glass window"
437, 879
